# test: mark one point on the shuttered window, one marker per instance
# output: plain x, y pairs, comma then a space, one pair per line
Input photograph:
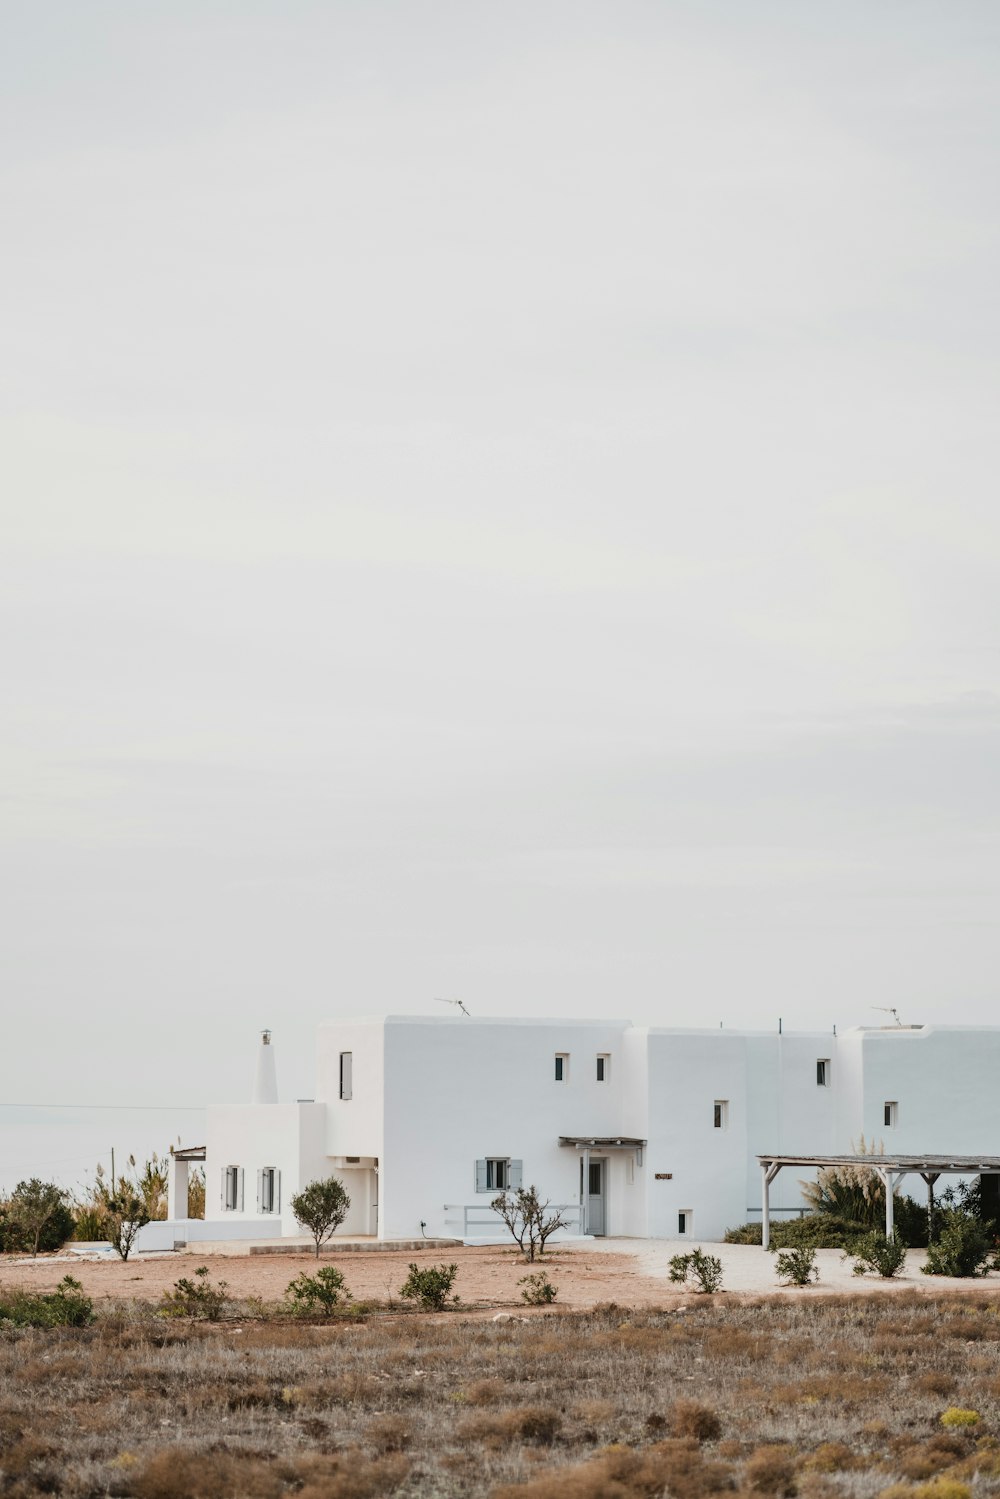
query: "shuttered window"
232, 1189
269, 1190
346, 1069
498, 1173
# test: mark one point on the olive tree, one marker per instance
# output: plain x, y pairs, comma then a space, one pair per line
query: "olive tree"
321, 1208
35, 1206
529, 1220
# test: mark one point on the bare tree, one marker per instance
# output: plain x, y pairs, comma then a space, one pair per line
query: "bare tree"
530, 1221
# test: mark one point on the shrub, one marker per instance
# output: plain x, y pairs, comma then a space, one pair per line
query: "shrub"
528, 1219
689, 1419
538, 1289
123, 1210
196, 1298
814, 1231
430, 1287
35, 1217
797, 1266
877, 1255
703, 1271
771, 1470
322, 1292
963, 1249
956, 1416
66, 1306
321, 1208
89, 1224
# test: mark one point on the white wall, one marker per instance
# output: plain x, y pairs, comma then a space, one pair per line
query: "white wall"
461, 1089
432, 1095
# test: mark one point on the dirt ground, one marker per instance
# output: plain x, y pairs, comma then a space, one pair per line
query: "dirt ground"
630, 1272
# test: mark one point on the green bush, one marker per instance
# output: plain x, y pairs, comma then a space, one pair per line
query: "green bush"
35, 1218
430, 1287
66, 1306
538, 1289
964, 1248
797, 1266
322, 1292
703, 1271
814, 1231
196, 1298
877, 1255
89, 1226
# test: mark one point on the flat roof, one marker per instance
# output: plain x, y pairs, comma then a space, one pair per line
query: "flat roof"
604, 1142
966, 1164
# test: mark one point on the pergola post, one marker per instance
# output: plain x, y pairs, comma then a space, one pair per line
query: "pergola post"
585, 1194
890, 1180
768, 1171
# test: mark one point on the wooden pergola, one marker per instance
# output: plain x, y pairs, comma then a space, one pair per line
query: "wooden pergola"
890, 1168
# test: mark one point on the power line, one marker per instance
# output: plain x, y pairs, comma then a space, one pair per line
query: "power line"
130, 1108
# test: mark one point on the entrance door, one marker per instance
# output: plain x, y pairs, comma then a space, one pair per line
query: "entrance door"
595, 1196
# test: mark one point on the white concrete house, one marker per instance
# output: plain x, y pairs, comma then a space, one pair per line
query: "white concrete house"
635, 1131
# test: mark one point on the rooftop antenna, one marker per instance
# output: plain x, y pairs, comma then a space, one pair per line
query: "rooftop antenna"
458, 1002
890, 1010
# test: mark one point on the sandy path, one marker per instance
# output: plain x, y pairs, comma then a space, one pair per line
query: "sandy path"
632, 1272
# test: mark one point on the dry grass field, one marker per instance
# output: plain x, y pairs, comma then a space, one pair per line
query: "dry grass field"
827, 1397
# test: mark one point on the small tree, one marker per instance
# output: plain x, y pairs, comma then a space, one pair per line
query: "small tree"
321, 1208
531, 1222
123, 1211
35, 1206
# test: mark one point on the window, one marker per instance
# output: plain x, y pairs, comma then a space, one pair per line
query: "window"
346, 1069
823, 1072
684, 1221
498, 1173
268, 1190
889, 1118
603, 1066
562, 1066
720, 1115
232, 1189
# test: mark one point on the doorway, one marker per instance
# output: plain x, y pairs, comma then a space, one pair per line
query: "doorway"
596, 1196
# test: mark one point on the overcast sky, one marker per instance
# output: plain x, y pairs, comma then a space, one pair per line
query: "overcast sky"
499, 501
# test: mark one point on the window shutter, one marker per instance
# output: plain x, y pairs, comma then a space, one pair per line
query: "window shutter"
346, 1080
260, 1191
276, 1204
516, 1172
239, 1189
481, 1177
222, 1191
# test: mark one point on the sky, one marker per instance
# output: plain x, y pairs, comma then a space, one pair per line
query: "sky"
498, 502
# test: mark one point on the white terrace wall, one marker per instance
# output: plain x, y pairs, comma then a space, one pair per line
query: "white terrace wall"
288, 1137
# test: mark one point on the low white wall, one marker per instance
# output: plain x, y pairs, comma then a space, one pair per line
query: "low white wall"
167, 1232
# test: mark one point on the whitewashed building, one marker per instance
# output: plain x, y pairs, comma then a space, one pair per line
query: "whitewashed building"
635, 1131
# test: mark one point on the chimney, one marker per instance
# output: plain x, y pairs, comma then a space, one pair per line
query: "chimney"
265, 1088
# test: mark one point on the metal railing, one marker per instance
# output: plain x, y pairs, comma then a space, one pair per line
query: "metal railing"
569, 1210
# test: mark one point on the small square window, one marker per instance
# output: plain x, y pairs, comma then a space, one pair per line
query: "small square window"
603, 1066
890, 1115
684, 1221
823, 1072
720, 1113
562, 1066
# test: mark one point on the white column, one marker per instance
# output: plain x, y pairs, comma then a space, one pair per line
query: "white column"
585, 1194
177, 1189
765, 1202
